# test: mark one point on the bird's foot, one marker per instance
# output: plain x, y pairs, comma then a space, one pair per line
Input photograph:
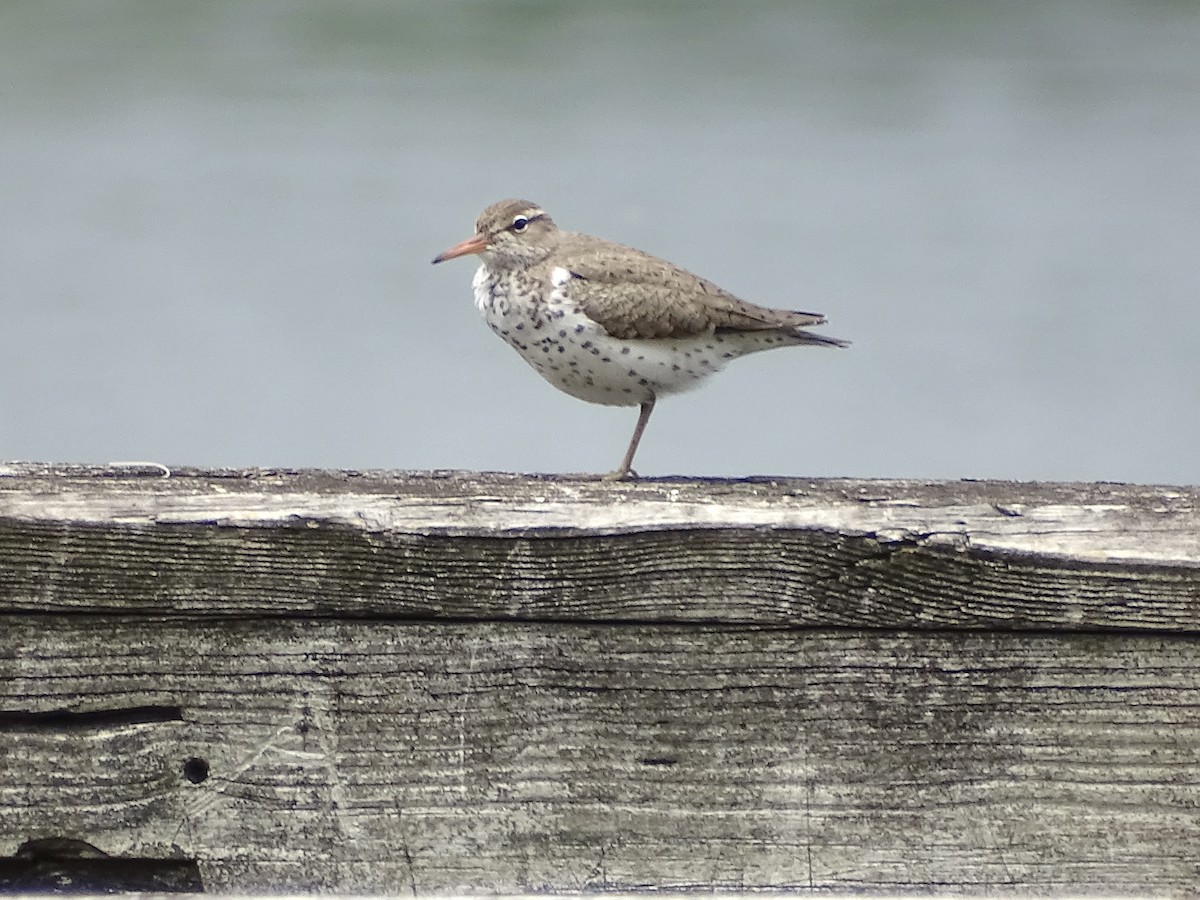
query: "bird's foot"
620, 475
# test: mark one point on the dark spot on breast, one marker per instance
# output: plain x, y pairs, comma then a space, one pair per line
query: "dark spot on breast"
726, 356
520, 326
562, 333
624, 350
674, 367
643, 381
606, 359
586, 345
578, 328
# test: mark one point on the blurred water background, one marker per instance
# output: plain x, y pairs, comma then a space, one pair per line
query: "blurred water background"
217, 220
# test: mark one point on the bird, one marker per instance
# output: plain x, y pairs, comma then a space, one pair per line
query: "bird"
610, 324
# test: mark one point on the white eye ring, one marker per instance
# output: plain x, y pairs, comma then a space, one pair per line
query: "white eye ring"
520, 223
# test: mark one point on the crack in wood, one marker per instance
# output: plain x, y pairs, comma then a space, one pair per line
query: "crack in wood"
90, 718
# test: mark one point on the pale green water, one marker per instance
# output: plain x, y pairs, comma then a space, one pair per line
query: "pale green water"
218, 219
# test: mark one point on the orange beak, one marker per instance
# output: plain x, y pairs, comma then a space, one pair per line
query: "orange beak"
476, 244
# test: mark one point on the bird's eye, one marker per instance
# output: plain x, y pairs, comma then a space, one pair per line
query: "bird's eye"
520, 223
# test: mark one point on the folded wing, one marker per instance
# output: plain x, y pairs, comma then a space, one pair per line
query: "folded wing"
637, 296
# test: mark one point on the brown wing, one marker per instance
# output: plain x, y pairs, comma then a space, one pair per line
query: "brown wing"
637, 296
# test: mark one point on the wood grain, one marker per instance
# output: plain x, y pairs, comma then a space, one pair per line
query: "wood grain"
855, 554
448, 682
523, 757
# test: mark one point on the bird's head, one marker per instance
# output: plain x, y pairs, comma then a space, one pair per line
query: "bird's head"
510, 234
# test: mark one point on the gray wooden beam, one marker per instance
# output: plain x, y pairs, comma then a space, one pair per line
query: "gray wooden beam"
459, 682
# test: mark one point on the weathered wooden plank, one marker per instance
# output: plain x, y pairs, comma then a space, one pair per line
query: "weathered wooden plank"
1097, 522
393, 756
449, 682
783, 552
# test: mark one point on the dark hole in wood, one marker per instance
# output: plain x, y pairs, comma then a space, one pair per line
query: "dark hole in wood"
195, 769
92, 718
69, 866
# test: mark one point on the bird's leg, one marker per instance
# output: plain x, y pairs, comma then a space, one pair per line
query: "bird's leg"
626, 468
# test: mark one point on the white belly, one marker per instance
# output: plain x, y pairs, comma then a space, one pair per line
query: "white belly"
579, 357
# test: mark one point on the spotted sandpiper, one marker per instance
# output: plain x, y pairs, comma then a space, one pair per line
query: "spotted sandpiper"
607, 323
